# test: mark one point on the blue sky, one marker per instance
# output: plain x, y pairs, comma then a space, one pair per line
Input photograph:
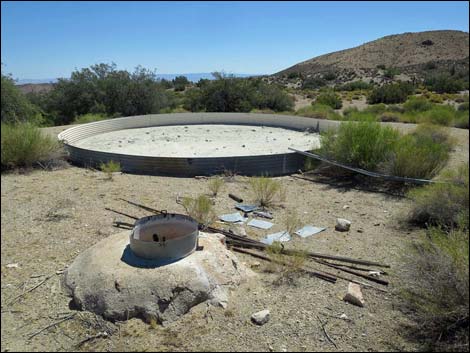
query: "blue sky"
50, 39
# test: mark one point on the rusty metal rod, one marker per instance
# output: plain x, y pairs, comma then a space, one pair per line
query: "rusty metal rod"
370, 278
287, 252
121, 213
329, 278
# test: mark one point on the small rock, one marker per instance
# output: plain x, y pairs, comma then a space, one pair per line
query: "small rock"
255, 264
345, 207
342, 225
261, 317
377, 224
15, 265
344, 316
360, 230
354, 295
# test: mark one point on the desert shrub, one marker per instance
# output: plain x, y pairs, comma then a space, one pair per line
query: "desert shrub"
23, 145
329, 76
15, 106
350, 110
376, 109
231, 94
353, 86
318, 111
391, 72
360, 116
264, 190
395, 108
110, 167
437, 290
294, 75
288, 268
292, 221
391, 93
461, 120
421, 154
389, 117
200, 209
417, 104
463, 107
440, 115
102, 89
215, 184
361, 144
180, 83
436, 98
444, 83
89, 118
443, 204
314, 83
329, 98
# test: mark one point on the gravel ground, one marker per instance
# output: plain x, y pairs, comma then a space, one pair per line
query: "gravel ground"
48, 217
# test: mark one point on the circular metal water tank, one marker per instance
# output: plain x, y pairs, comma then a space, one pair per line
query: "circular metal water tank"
165, 237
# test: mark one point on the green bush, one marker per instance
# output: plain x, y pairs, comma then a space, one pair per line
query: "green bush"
444, 83
200, 209
230, 94
417, 104
15, 106
354, 86
89, 118
110, 167
329, 76
318, 111
436, 290
361, 144
329, 98
102, 89
180, 83
264, 190
376, 109
444, 204
461, 120
389, 117
314, 83
421, 154
440, 115
391, 93
391, 72
23, 145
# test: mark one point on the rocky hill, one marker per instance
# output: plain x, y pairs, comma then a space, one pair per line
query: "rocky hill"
409, 55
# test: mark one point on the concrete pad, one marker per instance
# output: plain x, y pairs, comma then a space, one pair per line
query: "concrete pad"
104, 281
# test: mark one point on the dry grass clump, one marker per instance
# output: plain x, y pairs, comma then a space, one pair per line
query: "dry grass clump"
215, 184
445, 204
288, 267
24, 146
292, 221
437, 291
110, 167
264, 190
200, 208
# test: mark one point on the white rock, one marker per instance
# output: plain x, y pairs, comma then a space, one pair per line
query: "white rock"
345, 207
15, 265
354, 295
261, 317
344, 316
342, 224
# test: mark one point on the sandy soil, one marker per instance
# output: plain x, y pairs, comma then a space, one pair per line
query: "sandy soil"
201, 141
48, 217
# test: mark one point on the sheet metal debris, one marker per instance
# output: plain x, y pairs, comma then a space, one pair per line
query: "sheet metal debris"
263, 214
260, 224
246, 208
280, 236
233, 218
309, 230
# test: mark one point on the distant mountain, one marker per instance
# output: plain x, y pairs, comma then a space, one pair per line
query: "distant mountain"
194, 77
413, 54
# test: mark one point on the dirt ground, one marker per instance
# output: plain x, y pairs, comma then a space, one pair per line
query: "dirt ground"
48, 217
